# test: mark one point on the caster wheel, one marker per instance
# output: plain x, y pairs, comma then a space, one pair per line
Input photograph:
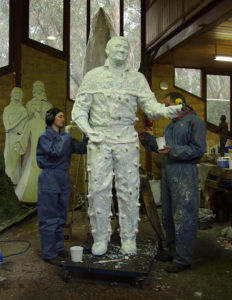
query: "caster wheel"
67, 276
137, 283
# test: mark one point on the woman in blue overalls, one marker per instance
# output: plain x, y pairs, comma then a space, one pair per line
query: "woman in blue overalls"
54, 152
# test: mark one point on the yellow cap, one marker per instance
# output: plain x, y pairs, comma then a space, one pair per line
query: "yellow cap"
178, 101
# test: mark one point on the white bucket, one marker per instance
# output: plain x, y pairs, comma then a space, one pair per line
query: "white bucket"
160, 142
76, 253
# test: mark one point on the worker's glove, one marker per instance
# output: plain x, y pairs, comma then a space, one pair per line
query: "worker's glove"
68, 128
173, 111
143, 138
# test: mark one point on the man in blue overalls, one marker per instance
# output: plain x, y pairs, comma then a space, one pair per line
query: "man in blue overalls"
185, 140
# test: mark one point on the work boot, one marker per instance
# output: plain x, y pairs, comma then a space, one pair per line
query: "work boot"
54, 261
63, 253
99, 248
128, 247
163, 256
176, 268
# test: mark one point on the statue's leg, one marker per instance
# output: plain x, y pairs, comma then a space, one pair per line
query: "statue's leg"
100, 170
127, 186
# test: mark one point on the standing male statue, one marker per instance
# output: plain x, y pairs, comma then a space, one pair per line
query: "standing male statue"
39, 103
105, 110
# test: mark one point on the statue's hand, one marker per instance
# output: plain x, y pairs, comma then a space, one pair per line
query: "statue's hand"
95, 137
173, 111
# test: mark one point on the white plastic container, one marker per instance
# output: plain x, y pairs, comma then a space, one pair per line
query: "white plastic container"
76, 253
161, 142
156, 191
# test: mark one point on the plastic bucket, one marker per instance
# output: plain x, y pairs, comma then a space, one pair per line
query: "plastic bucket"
76, 253
223, 162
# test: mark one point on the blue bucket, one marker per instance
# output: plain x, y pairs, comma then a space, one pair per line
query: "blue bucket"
223, 162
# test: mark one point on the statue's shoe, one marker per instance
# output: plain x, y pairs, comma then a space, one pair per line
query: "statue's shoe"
99, 248
129, 247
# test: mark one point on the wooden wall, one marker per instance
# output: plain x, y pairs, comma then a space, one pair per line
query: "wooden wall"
164, 16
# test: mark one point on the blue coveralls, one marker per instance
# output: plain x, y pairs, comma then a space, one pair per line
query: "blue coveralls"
186, 136
53, 155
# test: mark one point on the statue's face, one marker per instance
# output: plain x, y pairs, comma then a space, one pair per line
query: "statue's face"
37, 90
118, 50
17, 94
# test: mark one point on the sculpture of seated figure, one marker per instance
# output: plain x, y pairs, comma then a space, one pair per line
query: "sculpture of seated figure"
26, 189
39, 102
14, 119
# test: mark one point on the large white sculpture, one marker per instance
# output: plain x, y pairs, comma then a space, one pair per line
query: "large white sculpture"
105, 110
39, 102
14, 118
26, 189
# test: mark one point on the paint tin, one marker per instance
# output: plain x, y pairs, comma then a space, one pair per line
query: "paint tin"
223, 162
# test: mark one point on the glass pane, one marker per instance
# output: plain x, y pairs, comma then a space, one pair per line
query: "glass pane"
77, 44
111, 7
46, 22
4, 32
132, 30
218, 98
188, 80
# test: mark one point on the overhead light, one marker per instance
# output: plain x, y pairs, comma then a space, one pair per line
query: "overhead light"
51, 37
223, 58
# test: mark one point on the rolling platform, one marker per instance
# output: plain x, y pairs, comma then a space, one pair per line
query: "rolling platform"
113, 263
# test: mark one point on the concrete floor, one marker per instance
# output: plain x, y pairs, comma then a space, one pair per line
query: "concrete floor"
27, 276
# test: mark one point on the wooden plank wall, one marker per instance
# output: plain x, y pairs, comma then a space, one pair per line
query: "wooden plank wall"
164, 16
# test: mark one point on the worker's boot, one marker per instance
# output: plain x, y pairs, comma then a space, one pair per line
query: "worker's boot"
128, 247
99, 248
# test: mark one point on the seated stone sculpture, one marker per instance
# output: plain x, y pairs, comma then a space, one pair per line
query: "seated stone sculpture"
14, 118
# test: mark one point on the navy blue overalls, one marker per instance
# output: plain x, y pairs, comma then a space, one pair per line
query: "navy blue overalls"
54, 152
186, 136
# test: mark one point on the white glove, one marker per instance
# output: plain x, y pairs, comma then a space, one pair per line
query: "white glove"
173, 111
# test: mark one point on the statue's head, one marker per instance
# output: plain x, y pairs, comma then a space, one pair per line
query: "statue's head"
17, 94
38, 88
117, 49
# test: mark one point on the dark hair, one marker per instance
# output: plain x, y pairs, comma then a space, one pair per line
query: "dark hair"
175, 95
223, 118
50, 115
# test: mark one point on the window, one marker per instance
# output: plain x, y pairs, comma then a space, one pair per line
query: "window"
46, 22
4, 32
77, 44
218, 98
188, 80
132, 30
